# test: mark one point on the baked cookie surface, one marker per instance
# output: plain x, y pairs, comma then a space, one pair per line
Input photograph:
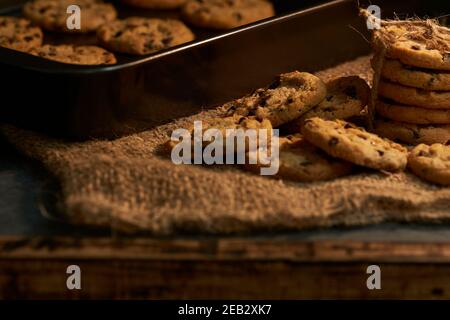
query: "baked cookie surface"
140, 36
417, 43
410, 114
396, 71
71, 54
226, 14
346, 141
412, 134
346, 97
290, 96
19, 34
431, 163
413, 96
301, 161
155, 4
52, 15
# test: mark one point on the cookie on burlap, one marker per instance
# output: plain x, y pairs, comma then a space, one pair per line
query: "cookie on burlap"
290, 96
396, 71
344, 140
423, 44
71, 54
412, 134
414, 96
155, 4
298, 160
141, 36
19, 34
410, 114
52, 15
346, 97
223, 124
226, 14
431, 163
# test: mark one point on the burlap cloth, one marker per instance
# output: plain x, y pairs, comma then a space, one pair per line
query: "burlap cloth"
127, 185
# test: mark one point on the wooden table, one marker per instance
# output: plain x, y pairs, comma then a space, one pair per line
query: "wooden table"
35, 252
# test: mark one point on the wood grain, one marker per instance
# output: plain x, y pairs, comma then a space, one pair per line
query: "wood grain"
225, 268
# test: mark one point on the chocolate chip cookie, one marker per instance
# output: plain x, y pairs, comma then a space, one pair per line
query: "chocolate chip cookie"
155, 4
19, 34
71, 54
301, 161
140, 36
431, 163
346, 97
52, 15
226, 14
344, 140
290, 96
412, 134
427, 79
414, 96
422, 44
410, 114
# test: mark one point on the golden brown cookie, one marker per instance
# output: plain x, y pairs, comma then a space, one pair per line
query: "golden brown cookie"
427, 79
19, 34
52, 15
290, 96
410, 114
422, 44
155, 4
71, 54
224, 124
431, 163
412, 134
346, 141
301, 161
346, 97
141, 36
413, 96
226, 14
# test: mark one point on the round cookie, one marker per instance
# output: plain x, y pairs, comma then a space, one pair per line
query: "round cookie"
412, 134
155, 4
141, 36
52, 15
422, 44
413, 96
19, 34
431, 163
410, 114
226, 14
71, 54
300, 161
222, 124
395, 71
346, 97
290, 96
346, 141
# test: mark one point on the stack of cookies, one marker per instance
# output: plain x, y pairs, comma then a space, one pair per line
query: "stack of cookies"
412, 70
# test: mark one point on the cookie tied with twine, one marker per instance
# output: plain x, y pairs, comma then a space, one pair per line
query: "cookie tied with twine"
414, 42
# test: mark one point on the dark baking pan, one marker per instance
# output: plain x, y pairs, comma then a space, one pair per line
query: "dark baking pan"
140, 92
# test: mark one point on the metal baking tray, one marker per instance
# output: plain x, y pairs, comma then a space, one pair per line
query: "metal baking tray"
82, 102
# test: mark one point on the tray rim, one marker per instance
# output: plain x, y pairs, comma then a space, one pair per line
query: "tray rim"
26, 61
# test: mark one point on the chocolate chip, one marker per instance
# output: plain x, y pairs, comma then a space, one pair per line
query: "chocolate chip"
351, 92
290, 100
381, 153
275, 84
333, 141
167, 41
414, 47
